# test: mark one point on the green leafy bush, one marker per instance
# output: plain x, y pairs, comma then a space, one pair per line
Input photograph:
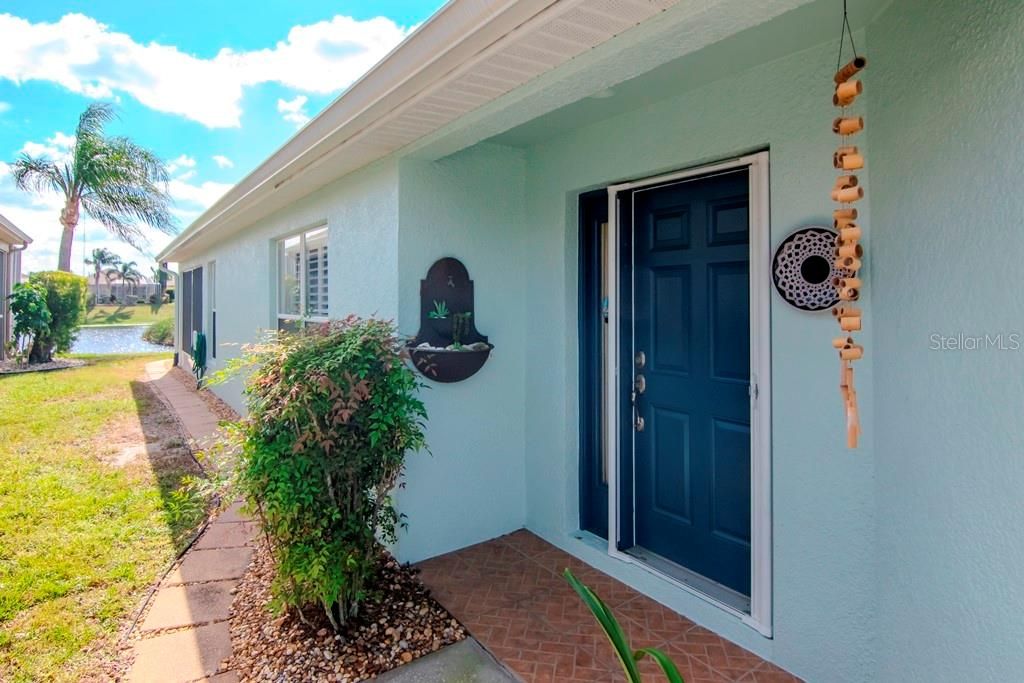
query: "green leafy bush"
160, 332
333, 411
65, 297
31, 316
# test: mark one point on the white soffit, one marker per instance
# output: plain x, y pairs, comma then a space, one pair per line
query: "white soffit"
11, 234
469, 54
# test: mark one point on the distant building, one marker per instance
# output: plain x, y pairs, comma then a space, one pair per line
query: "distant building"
12, 242
116, 290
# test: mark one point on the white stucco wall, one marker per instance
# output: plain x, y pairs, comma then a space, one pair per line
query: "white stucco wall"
361, 213
945, 118
472, 487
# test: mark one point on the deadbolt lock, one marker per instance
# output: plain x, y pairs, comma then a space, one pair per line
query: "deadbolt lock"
639, 423
640, 359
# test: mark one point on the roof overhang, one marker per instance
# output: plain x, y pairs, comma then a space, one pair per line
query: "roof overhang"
467, 54
461, 66
10, 233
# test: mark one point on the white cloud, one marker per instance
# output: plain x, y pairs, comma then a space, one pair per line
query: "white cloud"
293, 110
5, 107
86, 57
184, 161
56, 148
200, 196
222, 161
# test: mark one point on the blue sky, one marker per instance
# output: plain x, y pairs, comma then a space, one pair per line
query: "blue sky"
212, 87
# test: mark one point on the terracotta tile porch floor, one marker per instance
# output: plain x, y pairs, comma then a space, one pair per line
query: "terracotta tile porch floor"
510, 594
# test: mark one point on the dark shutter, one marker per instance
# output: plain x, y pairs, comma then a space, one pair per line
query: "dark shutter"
185, 301
197, 299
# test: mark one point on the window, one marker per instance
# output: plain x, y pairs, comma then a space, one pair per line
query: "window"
191, 301
302, 278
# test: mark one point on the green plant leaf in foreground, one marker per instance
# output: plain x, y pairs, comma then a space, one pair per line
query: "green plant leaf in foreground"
668, 667
610, 625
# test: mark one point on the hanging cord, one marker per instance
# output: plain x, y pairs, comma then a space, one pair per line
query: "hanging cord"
845, 31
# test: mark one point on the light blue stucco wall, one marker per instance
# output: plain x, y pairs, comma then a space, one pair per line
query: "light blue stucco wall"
945, 119
472, 487
361, 213
895, 562
823, 494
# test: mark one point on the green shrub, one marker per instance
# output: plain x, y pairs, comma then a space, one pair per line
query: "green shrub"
333, 411
31, 316
65, 297
160, 332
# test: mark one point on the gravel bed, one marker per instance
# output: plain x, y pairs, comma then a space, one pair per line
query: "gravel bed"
9, 367
402, 623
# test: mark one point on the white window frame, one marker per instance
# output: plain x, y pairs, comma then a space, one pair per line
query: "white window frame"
304, 264
760, 616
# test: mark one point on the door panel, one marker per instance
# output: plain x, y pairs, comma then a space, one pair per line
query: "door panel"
670, 320
670, 431
690, 317
729, 307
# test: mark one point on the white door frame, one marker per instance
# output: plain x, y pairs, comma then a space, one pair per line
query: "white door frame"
760, 617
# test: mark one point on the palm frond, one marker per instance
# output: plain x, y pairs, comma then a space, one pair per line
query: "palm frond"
101, 256
127, 231
124, 184
93, 119
37, 174
122, 208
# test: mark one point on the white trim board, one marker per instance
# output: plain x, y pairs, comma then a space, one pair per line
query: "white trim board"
760, 616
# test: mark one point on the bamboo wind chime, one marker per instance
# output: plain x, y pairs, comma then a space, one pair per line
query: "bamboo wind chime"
848, 253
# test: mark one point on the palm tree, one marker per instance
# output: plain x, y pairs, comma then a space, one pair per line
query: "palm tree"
160, 278
130, 274
102, 259
117, 182
111, 274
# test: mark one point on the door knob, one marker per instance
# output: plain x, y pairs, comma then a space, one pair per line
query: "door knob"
639, 423
640, 384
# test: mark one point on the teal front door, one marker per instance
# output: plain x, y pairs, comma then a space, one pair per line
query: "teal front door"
688, 345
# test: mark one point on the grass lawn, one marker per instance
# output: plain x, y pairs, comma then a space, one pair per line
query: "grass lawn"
90, 459
114, 314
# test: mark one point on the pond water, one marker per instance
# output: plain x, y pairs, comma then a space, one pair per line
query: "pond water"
115, 339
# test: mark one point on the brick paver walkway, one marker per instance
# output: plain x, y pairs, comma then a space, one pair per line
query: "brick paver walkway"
510, 594
185, 635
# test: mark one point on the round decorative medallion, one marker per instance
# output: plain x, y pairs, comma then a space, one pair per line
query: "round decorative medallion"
803, 269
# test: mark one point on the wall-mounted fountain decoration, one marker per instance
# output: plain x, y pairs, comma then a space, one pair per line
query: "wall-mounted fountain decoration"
448, 347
